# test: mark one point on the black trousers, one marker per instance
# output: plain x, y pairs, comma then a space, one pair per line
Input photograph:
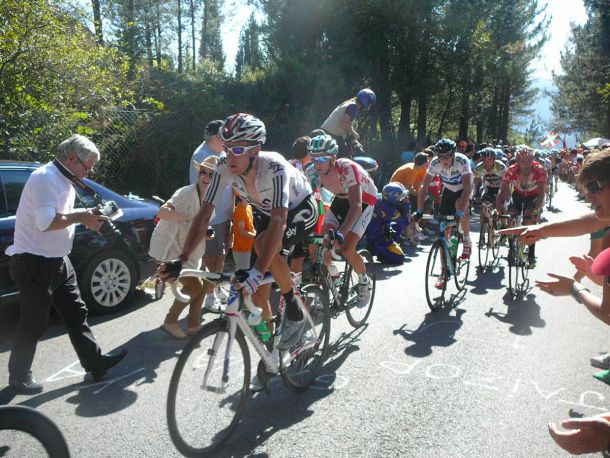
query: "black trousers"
42, 281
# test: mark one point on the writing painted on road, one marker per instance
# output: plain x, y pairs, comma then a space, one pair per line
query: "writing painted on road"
493, 382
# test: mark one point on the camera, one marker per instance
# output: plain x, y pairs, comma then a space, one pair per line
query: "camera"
112, 211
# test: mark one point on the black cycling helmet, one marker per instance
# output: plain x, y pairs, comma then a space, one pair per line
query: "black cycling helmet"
445, 146
488, 152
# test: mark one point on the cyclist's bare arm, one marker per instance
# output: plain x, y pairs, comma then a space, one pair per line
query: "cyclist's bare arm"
354, 195
502, 195
464, 199
271, 242
423, 189
540, 201
347, 126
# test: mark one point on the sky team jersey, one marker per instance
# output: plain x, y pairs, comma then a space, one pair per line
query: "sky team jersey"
490, 178
451, 177
350, 173
529, 186
278, 184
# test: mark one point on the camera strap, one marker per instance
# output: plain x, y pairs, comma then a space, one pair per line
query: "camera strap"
75, 181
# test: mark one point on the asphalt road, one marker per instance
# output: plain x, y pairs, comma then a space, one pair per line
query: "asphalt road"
481, 379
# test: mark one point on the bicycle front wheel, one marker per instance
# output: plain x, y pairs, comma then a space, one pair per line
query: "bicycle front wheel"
513, 268
436, 277
461, 266
484, 244
204, 403
356, 310
301, 364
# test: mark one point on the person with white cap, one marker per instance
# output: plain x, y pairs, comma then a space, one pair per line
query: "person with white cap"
166, 242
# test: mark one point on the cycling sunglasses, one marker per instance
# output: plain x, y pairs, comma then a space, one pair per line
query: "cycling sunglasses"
320, 159
444, 157
593, 187
204, 173
238, 150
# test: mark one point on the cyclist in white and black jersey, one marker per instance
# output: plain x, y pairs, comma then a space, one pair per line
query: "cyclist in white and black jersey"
488, 175
284, 213
454, 170
352, 207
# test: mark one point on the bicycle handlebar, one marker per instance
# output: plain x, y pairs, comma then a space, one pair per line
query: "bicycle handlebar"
215, 278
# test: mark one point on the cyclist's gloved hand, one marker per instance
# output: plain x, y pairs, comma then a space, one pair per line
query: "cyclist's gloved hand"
459, 214
170, 269
248, 280
339, 237
418, 215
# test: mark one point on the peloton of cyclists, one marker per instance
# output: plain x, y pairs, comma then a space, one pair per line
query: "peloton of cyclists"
527, 179
456, 175
352, 207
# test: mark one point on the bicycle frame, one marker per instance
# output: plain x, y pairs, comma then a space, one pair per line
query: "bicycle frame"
236, 318
445, 222
339, 293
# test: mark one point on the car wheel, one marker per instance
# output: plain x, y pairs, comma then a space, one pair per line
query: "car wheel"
108, 282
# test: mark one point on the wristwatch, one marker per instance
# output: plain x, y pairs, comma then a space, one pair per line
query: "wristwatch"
575, 289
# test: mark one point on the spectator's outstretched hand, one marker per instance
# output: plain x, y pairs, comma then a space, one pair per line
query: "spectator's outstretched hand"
527, 234
583, 435
560, 287
583, 265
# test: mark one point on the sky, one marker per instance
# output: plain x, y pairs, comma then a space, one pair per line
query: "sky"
562, 13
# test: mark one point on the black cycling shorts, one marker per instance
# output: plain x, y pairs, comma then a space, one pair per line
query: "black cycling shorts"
300, 222
448, 200
489, 195
520, 203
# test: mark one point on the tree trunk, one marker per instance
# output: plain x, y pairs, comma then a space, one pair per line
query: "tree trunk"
464, 115
203, 47
422, 115
492, 128
179, 36
158, 34
441, 124
149, 53
404, 125
194, 51
97, 21
503, 131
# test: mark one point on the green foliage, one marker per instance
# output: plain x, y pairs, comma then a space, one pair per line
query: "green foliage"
51, 75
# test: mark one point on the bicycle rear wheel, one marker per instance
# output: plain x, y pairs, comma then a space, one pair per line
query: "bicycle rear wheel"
513, 268
436, 277
36, 424
300, 365
358, 312
484, 244
494, 227
461, 266
203, 410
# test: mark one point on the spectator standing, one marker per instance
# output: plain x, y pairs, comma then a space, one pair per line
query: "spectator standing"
216, 249
40, 267
166, 242
409, 154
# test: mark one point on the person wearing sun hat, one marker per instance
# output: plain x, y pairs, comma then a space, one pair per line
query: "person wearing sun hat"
168, 237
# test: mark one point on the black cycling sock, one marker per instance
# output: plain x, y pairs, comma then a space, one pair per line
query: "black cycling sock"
293, 312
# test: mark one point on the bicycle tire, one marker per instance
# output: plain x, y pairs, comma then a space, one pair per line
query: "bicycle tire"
436, 272
484, 244
305, 368
357, 316
461, 266
513, 268
37, 425
191, 378
494, 228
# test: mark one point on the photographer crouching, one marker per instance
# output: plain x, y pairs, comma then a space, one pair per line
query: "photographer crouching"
40, 267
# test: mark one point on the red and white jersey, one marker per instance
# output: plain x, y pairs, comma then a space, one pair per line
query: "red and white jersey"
347, 174
528, 186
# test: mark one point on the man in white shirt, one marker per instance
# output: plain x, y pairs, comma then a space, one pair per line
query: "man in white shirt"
40, 267
216, 249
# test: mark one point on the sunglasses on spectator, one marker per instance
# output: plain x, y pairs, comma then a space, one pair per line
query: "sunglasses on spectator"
593, 187
87, 169
319, 159
238, 150
204, 173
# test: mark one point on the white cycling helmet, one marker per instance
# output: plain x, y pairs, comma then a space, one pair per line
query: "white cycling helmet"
524, 151
243, 127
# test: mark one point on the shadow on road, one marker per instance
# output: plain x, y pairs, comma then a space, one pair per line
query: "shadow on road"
523, 314
489, 279
266, 415
437, 330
